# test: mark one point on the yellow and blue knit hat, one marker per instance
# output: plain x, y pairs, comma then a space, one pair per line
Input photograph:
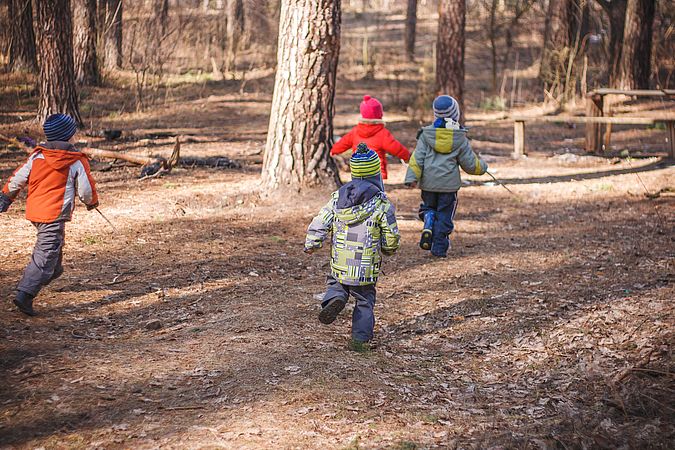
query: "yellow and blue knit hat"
364, 162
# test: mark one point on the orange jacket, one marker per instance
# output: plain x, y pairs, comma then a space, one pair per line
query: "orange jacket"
377, 137
55, 172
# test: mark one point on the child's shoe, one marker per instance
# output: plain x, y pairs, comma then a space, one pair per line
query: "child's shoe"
426, 239
330, 312
359, 346
24, 301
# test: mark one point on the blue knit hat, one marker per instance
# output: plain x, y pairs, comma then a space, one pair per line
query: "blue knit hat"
446, 107
364, 162
59, 127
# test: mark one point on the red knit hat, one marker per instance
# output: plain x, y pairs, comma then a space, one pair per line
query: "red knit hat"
371, 108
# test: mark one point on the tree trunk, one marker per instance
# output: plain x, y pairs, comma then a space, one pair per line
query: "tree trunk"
163, 14
234, 31
22, 38
111, 12
84, 42
297, 154
450, 50
54, 39
616, 11
562, 22
410, 29
636, 53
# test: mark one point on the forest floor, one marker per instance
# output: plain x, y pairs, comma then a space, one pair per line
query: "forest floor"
194, 324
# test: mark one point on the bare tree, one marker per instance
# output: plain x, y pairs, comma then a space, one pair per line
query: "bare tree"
297, 153
636, 52
111, 31
84, 42
54, 39
450, 50
22, 38
560, 29
616, 12
410, 29
235, 32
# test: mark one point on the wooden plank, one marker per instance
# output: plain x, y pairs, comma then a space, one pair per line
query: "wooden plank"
671, 137
634, 92
594, 108
518, 139
596, 120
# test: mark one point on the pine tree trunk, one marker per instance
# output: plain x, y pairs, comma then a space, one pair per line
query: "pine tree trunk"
616, 12
56, 77
111, 12
636, 52
450, 50
84, 42
235, 31
22, 38
300, 134
410, 29
562, 22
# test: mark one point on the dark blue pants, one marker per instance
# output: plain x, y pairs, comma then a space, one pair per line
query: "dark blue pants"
444, 206
363, 318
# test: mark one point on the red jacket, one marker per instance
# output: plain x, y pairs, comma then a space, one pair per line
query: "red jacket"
54, 173
377, 137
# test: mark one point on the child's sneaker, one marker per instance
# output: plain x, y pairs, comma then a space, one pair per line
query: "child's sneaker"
427, 235
359, 347
24, 301
330, 312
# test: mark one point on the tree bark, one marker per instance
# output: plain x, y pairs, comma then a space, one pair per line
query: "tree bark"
22, 38
297, 153
111, 13
234, 32
616, 12
410, 29
84, 42
56, 77
450, 50
636, 52
561, 26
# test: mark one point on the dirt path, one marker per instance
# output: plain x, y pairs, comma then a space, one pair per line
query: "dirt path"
511, 341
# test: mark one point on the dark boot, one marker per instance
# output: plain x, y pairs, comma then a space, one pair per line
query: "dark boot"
426, 239
330, 312
24, 301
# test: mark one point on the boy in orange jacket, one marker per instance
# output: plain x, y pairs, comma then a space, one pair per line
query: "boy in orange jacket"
371, 130
54, 173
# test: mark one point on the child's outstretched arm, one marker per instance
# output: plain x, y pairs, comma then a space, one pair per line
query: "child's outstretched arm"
16, 182
320, 227
394, 147
86, 186
390, 239
416, 163
470, 162
345, 143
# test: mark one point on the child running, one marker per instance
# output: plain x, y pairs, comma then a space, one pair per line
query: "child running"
363, 224
442, 149
372, 132
54, 173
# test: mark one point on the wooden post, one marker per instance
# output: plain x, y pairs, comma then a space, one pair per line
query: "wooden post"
671, 138
518, 139
593, 130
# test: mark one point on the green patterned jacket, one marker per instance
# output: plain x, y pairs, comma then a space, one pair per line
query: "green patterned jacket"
359, 232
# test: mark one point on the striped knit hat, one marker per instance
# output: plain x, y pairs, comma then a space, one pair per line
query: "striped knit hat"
446, 107
364, 162
59, 127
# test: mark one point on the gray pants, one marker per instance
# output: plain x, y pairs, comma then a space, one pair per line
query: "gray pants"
363, 317
45, 263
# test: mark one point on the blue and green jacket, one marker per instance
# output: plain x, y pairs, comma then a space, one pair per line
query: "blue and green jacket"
439, 154
363, 224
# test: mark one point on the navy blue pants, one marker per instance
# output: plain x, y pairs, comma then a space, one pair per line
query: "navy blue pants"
443, 205
363, 318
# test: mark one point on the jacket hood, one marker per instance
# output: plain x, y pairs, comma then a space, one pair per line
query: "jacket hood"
357, 200
59, 155
366, 130
443, 140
